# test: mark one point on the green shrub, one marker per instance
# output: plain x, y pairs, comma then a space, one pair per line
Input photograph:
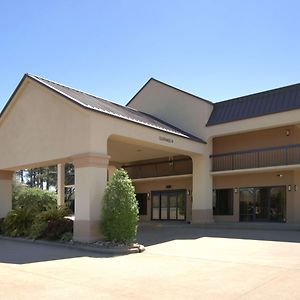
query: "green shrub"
19, 221
120, 209
41, 223
38, 199
67, 237
27, 204
53, 213
34, 215
55, 229
1, 225
37, 229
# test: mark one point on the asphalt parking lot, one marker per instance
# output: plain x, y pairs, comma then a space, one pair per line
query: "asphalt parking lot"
179, 263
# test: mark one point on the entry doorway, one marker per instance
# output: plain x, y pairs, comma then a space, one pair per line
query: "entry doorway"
168, 205
263, 204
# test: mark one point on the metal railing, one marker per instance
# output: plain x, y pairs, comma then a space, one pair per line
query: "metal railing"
160, 168
257, 158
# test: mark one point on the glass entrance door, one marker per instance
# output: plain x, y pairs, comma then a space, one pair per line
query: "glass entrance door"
164, 207
155, 207
169, 205
172, 206
263, 204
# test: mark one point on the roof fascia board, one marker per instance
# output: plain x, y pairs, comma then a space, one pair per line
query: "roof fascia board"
12, 96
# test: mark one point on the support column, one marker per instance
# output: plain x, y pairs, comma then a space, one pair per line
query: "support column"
90, 182
202, 190
293, 209
5, 192
60, 184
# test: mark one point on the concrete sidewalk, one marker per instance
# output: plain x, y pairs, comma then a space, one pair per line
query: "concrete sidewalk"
204, 265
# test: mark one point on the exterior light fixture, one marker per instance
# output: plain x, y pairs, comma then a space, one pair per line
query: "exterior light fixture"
295, 188
188, 192
287, 132
289, 187
279, 175
236, 190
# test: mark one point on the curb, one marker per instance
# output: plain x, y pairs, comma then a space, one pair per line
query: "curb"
112, 251
226, 226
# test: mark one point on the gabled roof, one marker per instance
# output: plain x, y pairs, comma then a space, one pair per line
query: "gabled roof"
255, 105
91, 102
167, 85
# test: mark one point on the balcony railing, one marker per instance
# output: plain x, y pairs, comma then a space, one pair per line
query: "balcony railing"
160, 168
257, 158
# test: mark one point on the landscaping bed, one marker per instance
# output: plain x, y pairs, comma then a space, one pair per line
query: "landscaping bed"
105, 247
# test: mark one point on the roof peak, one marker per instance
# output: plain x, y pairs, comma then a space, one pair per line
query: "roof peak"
170, 86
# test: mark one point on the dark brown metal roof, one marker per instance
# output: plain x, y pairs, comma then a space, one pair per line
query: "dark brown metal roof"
113, 109
255, 105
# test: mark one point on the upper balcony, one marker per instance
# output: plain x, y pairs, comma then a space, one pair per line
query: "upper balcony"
172, 166
257, 158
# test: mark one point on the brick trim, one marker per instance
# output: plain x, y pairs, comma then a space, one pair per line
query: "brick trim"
91, 160
6, 175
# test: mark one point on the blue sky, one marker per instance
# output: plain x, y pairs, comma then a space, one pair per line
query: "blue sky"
214, 49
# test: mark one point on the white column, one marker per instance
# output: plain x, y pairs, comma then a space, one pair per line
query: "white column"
90, 182
202, 190
60, 184
5, 192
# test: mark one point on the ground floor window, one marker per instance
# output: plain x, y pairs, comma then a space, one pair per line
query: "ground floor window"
142, 202
169, 205
263, 204
223, 202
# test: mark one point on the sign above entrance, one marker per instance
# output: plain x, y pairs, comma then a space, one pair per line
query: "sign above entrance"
165, 139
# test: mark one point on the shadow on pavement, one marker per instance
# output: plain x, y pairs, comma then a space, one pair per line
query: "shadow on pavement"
19, 252
156, 233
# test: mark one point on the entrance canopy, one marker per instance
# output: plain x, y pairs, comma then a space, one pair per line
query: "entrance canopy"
45, 123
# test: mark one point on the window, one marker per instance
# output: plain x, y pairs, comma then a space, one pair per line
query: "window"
263, 204
223, 202
142, 201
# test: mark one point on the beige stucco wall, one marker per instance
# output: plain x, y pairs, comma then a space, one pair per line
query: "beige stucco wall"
41, 126
239, 181
191, 113
257, 139
90, 182
176, 107
257, 180
105, 126
5, 192
160, 185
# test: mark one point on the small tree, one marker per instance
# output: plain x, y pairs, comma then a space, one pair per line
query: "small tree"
120, 209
